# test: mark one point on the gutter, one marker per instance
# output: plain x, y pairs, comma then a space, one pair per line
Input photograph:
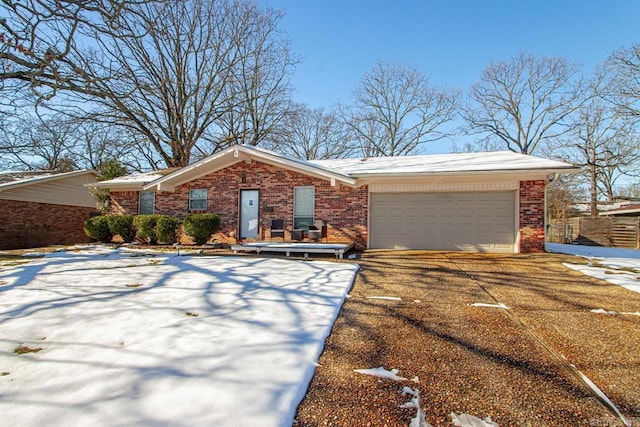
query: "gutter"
571, 170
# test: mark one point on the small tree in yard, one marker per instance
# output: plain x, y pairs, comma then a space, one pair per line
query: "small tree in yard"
201, 226
109, 169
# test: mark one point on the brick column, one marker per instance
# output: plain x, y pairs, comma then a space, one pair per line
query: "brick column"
531, 210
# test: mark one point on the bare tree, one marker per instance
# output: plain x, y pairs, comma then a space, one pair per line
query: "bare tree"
39, 41
312, 134
168, 85
258, 95
57, 142
562, 195
99, 144
40, 143
604, 143
396, 109
630, 190
525, 102
624, 64
164, 71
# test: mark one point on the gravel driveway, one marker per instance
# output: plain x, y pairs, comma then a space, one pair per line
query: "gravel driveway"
512, 365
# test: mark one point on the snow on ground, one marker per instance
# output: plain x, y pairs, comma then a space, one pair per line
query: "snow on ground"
482, 304
382, 373
615, 265
419, 420
126, 338
385, 298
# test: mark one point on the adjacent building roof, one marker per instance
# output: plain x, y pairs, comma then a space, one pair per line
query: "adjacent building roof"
52, 187
352, 172
11, 179
627, 210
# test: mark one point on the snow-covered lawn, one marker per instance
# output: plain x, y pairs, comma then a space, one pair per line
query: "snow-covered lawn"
112, 337
615, 265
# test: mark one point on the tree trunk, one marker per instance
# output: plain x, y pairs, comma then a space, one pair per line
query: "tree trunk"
594, 190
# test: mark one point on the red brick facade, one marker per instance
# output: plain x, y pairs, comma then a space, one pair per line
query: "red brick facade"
29, 224
532, 216
344, 208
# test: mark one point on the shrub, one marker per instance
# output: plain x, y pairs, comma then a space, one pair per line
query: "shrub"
201, 226
145, 228
97, 229
167, 229
122, 225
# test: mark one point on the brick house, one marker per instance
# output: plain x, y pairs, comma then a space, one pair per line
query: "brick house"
492, 202
44, 208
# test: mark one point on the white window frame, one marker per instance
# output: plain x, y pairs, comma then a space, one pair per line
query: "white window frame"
153, 203
192, 199
304, 214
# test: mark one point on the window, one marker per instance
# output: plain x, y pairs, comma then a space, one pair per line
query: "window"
198, 200
303, 206
147, 202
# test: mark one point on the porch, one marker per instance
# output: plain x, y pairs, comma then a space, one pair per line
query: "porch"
338, 249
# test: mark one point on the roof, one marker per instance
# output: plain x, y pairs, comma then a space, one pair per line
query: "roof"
506, 161
135, 179
238, 153
352, 172
12, 179
66, 188
631, 210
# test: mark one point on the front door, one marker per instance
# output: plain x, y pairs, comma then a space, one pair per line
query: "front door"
249, 214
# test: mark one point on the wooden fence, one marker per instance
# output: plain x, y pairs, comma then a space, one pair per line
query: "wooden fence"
618, 232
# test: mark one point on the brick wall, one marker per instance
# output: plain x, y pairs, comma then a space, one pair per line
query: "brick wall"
532, 216
124, 202
29, 224
344, 208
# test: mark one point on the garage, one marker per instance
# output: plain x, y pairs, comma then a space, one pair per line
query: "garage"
467, 221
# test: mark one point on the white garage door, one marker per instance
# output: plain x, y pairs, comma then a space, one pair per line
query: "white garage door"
478, 221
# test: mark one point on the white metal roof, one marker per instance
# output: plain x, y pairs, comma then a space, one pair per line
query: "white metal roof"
133, 179
443, 163
349, 171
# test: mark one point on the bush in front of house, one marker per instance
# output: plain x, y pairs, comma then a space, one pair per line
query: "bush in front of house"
167, 229
121, 225
200, 227
97, 229
145, 226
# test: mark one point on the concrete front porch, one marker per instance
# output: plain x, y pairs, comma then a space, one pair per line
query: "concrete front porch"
338, 249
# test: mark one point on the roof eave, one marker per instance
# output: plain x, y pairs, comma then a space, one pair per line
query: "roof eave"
367, 175
24, 183
123, 186
619, 212
241, 153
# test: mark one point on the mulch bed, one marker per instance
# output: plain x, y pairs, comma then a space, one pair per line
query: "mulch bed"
481, 361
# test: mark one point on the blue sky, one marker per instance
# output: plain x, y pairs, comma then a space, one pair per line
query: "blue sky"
451, 41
